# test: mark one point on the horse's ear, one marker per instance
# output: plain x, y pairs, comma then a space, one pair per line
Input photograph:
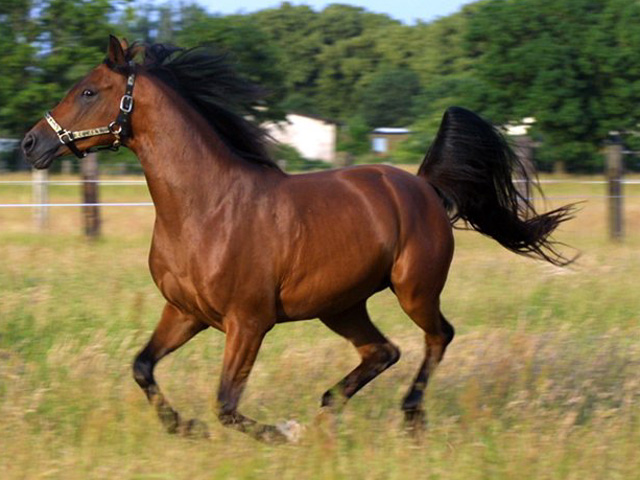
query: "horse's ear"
115, 52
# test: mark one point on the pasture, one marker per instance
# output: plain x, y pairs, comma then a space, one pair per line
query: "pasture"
542, 380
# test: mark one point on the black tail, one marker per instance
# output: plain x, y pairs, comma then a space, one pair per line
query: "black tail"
472, 168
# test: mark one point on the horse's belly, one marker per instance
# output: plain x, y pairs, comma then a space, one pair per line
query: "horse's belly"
331, 290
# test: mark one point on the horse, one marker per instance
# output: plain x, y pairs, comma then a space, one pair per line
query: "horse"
239, 245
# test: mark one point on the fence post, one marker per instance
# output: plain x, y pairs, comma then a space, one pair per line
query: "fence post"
91, 213
40, 193
524, 148
614, 177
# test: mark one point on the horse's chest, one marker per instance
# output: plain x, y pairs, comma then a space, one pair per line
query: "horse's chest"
182, 283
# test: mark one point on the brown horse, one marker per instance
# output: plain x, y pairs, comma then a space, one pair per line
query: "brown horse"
238, 245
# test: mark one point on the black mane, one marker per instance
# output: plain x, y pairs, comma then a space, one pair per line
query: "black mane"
216, 91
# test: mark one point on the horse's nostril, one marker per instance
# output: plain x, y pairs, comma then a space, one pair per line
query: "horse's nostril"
28, 143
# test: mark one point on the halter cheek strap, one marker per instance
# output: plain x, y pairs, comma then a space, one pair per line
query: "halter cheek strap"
119, 128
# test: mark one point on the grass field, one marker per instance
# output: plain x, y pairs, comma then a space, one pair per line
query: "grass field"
541, 382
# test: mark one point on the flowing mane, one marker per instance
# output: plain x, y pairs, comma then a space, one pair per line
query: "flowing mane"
215, 90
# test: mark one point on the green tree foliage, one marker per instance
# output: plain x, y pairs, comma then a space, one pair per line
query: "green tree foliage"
137, 22
353, 138
291, 30
345, 67
45, 49
440, 49
388, 99
568, 63
18, 33
246, 45
574, 65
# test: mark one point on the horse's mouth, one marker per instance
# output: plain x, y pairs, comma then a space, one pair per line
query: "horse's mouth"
44, 160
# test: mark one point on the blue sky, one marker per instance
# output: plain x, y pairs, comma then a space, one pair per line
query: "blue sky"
405, 10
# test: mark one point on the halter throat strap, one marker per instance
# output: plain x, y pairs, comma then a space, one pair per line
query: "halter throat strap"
120, 128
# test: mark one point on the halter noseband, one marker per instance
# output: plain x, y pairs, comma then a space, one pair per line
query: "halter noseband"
119, 128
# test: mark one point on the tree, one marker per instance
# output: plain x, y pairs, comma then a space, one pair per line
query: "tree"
44, 51
137, 22
18, 32
345, 67
247, 47
354, 137
388, 99
291, 30
568, 63
440, 48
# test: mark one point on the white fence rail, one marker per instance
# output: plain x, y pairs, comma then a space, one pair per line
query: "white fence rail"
32, 183
103, 204
41, 204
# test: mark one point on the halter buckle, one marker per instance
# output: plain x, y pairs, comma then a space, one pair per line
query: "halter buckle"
69, 136
126, 103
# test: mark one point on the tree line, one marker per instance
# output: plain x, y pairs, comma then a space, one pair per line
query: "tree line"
573, 65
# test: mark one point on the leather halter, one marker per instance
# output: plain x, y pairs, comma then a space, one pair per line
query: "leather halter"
119, 128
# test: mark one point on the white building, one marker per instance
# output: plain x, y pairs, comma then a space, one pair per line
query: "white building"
384, 140
313, 137
516, 129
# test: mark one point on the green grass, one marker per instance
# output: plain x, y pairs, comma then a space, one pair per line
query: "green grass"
541, 382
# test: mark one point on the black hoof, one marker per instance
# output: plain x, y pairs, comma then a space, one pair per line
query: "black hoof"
415, 422
194, 429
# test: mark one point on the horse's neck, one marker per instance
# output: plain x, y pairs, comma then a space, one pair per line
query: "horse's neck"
188, 168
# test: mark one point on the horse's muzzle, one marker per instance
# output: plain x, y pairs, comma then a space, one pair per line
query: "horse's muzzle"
38, 149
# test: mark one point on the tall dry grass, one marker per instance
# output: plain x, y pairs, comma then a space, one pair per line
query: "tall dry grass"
542, 380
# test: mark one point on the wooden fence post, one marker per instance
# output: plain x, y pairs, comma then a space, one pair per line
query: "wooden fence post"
40, 194
614, 177
91, 213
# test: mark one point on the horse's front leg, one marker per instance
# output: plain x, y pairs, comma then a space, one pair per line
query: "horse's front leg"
174, 330
244, 338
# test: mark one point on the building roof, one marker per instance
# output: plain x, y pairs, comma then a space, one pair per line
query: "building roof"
392, 131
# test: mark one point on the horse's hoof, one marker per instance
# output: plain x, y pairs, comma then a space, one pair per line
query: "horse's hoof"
415, 423
291, 430
195, 429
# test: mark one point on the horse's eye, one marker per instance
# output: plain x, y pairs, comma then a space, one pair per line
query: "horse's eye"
88, 93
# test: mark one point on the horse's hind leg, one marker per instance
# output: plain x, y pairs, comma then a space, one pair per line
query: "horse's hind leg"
438, 334
173, 331
376, 352
417, 283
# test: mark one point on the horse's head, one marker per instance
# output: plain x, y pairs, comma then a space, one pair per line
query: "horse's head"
93, 115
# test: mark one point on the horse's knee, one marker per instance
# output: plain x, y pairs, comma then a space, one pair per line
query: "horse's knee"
448, 331
380, 356
328, 399
375, 359
389, 354
143, 370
